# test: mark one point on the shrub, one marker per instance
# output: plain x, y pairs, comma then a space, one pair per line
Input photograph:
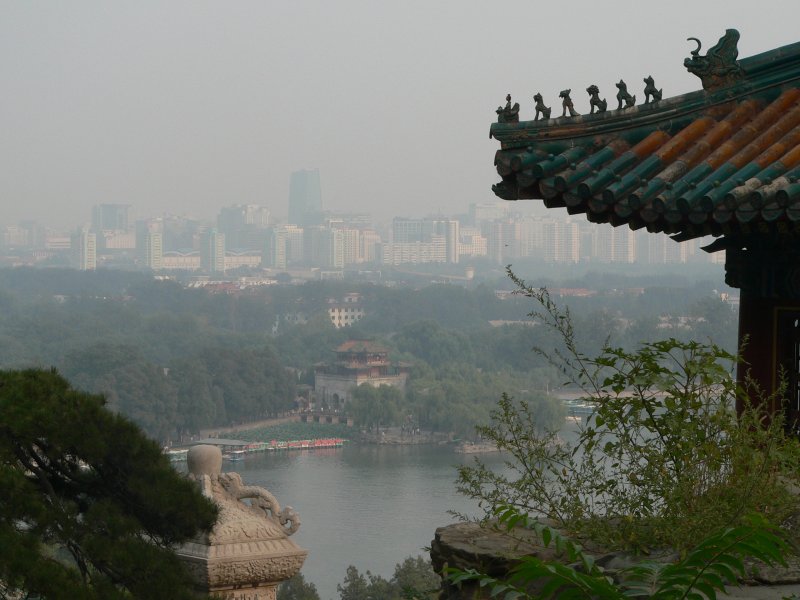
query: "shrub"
663, 460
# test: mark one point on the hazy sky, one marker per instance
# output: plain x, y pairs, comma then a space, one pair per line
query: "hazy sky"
186, 106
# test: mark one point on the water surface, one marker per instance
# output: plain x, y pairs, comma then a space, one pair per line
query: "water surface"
369, 506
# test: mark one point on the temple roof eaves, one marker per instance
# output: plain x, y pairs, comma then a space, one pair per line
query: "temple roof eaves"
717, 161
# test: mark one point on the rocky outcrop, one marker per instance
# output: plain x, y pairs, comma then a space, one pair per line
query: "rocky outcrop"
470, 546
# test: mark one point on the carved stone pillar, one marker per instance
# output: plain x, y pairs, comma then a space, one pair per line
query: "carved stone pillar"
248, 552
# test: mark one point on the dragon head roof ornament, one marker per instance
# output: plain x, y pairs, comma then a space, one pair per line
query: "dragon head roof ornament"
719, 66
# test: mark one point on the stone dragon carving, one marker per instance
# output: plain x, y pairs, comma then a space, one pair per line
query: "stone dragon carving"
248, 551
262, 502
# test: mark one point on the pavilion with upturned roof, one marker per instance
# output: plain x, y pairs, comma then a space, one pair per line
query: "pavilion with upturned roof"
723, 161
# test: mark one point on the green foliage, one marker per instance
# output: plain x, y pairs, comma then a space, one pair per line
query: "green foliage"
297, 588
413, 579
665, 425
541, 473
90, 507
662, 459
373, 407
304, 345
716, 562
209, 388
355, 585
457, 397
429, 341
155, 348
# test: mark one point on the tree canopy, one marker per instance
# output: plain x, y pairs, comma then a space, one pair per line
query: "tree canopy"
413, 578
297, 588
90, 507
177, 359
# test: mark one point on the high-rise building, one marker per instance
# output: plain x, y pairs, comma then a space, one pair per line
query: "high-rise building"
351, 245
499, 239
425, 231
83, 246
305, 198
487, 211
615, 244
276, 248
659, 249
150, 243
212, 251
28, 235
315, 240
154, 250
110, 226
295, 244
14, 237
369, 244
471, 242
334, 250
110, 217
405, 231
432, 251
450, 229
561, 241
244, 225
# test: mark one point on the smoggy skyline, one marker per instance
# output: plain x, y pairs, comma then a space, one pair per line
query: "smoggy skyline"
187, 106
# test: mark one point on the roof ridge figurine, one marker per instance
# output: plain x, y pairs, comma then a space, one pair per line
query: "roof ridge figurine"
508, 114
650, 90
540, 107
594, 99
623, 95
566, 103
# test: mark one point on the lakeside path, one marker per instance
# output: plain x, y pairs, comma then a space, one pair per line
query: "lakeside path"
391, 435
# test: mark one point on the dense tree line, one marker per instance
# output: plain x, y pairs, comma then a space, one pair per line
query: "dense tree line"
174, 360
179, 359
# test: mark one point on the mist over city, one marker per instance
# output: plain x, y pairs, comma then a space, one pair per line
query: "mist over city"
306, 300
183, 108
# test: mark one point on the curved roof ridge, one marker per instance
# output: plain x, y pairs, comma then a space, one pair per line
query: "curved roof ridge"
760, 73
717, 161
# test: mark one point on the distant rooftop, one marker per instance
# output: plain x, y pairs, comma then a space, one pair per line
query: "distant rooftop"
361, 346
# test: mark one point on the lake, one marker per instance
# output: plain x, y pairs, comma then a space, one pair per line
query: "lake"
368, 506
